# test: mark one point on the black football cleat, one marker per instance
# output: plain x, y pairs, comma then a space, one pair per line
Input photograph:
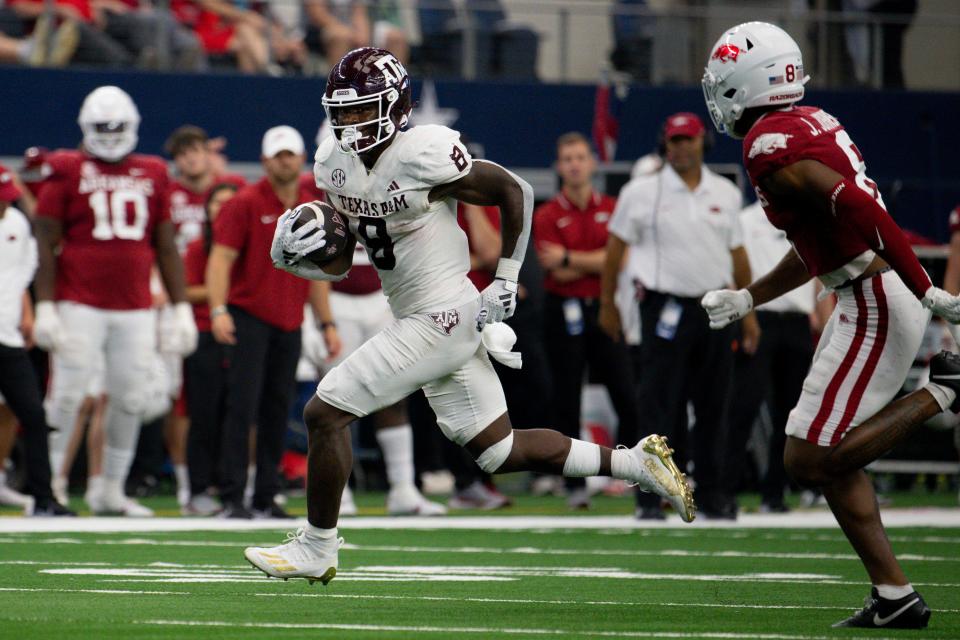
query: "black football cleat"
945, 370
50, 508
908, 612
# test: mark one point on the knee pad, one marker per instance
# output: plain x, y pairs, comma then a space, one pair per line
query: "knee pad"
495, 455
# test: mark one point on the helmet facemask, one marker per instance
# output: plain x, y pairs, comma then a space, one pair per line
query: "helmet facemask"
361, 137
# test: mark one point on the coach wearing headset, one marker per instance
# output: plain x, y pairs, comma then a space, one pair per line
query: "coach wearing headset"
683, 223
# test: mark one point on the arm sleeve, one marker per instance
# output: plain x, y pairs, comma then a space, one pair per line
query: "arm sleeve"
875, 226
230, 227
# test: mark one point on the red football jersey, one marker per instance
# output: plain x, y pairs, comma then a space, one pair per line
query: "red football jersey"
781, 138
186, 209
109, 213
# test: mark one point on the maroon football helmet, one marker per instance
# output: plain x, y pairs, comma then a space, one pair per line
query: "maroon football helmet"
367, 76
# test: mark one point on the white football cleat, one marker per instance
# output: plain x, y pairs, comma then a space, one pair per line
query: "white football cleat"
13, 498
114, 502
298, 557
347, 506
408, 501
658, 473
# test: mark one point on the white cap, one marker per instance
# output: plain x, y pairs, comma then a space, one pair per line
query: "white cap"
282, 138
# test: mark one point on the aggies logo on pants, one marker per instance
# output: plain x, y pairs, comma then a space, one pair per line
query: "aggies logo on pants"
446, 320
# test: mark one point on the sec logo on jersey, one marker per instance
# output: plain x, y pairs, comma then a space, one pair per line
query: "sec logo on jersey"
338, 177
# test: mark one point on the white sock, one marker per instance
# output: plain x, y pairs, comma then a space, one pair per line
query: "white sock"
623, 465
182, 476
318, 535
116, 462
95, 484
894, 592
583, 460
112, 486
396, 443
943, 395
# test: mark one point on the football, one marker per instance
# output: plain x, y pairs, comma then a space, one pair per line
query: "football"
334, 226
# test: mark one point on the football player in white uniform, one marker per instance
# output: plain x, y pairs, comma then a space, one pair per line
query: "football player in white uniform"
397, 189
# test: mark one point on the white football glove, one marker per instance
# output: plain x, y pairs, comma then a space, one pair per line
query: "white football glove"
47, 331
723, 306
181, 337
937, 300
290, 245
497, 302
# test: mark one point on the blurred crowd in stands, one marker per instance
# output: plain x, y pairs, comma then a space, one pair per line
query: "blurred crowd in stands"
436, 38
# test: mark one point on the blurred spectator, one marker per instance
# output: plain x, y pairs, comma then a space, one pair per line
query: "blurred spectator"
205, 369
262, 322
861, 38
570, 233
776, 371
18, 384
186, 197
683, 222
226, 29
334, 27
94, 46
46, 46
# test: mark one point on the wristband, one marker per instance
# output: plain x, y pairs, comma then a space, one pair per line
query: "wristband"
329, 324
508, 269
218, 310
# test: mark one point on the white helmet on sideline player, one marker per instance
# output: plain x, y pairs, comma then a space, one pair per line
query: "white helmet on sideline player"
754, 64
109, 120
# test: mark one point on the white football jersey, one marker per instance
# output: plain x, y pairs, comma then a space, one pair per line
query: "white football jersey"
417, 247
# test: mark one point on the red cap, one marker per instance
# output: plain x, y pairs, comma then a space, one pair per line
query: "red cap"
683, 124
9, 191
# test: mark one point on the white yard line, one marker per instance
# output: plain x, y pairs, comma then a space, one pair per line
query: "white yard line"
111, 592
487, 631
529, 551
892, 518
598, 603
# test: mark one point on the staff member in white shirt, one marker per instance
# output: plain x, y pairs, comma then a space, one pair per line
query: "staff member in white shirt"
682, 224
776, 371
18, 382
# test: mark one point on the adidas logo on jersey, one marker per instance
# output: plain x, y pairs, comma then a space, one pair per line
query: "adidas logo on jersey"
393, 186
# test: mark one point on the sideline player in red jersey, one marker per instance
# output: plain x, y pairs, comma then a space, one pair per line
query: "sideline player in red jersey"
104, 207
196, 175
812, 183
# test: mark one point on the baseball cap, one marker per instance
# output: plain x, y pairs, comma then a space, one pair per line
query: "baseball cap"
683, 124
9, 191
282, 138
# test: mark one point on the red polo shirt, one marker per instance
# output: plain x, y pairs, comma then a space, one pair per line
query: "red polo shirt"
559, 221
246, 223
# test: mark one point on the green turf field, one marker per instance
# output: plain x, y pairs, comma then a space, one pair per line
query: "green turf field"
557, 582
